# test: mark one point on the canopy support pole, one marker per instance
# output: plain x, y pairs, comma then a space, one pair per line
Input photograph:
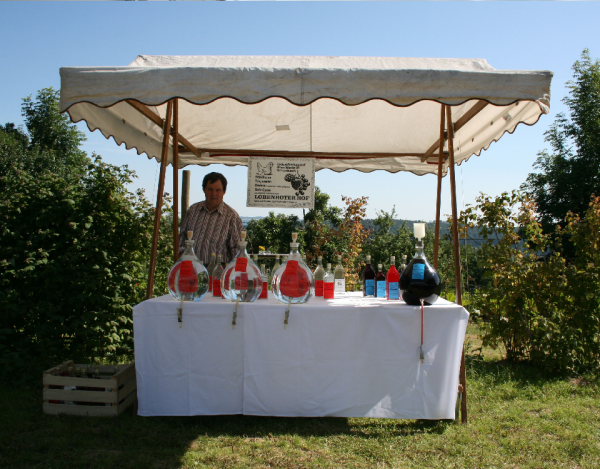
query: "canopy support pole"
436, 247
159, 200
175, 180
462, 376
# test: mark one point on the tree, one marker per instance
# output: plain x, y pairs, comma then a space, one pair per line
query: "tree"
569, 175
74, 246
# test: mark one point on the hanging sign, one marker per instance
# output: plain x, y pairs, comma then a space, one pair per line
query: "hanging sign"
281, 182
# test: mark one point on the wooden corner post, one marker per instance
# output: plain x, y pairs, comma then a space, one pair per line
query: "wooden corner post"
462, 375
175, 180
159, 199
436, 246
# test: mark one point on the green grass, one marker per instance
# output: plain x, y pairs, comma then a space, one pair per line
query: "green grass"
518, 418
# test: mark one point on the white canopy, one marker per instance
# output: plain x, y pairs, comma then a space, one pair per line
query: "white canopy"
362, 113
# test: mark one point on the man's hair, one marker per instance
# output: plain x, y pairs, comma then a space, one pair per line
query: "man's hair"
214, 177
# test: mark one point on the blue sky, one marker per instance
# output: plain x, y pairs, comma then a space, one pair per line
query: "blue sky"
40, 37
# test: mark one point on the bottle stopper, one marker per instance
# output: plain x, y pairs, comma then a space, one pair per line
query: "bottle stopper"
320, 258
190, 234
243, 235
294, 237
393, 258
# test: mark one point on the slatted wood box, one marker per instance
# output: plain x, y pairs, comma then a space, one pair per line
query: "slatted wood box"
112, 393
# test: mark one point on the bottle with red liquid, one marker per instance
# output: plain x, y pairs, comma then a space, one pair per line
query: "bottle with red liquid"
265, 280
217, 273
241, 279
293, 281
380, 283
368, 279
328, 284
188, 278
319, 276
392, 280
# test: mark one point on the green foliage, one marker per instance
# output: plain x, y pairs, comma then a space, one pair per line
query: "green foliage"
568, 175
274, 233
539, 306
383, 242
74, 246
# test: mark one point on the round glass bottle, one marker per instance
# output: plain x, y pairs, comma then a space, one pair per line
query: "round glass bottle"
293, 281
420, 280
241, 279
188, 278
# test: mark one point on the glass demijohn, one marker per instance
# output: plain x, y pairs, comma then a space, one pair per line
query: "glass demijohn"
293, 281
188, 279
241, 279
420, 280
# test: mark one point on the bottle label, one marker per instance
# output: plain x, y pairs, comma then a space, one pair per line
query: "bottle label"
294, 281
210, 279
381, 289
216, 287
393, 291
340, 285
328, 290
188, 279
241, 282
318, 287
263, 293
418, 272
240, 264
370, 287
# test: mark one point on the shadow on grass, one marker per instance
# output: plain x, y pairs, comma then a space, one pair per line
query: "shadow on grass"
28, 438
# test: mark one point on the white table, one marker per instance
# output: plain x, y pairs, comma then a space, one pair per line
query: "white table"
350, 357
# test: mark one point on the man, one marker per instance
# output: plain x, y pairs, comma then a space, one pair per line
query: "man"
215, 224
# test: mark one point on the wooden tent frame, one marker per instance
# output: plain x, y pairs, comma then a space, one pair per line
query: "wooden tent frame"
170, 127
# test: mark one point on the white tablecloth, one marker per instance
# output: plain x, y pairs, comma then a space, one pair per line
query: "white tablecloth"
350, 357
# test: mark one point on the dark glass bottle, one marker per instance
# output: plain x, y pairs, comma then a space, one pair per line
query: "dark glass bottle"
368, 279
380, 283
420, 280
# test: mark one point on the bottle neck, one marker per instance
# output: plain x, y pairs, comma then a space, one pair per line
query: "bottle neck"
189, 248
242, 252
320, 262
419, 250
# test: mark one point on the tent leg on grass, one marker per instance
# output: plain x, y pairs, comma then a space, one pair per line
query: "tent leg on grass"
175, 180
159, 200
457, 276
436, 246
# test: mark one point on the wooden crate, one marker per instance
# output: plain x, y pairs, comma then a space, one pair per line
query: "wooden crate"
112, 393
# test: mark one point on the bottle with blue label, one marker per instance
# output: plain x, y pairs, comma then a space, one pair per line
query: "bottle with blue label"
380, 283
420, 280
368, 279
392, 281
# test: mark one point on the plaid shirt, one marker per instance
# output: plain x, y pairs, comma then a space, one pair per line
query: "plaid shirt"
217, 231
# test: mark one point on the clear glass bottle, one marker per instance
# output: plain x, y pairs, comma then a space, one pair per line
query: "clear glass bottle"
241, 279
380, 282
293, 281
188, 278
265, 280
420, 280
276, 266
392, 280
368, 279
211, 267
328, 284
217, 273
319, 276
340, 277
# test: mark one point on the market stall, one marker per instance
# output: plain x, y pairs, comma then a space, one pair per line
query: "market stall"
363, 113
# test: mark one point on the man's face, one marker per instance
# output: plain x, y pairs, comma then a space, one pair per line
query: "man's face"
214, 194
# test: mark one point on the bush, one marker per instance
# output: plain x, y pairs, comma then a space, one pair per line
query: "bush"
541, 307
